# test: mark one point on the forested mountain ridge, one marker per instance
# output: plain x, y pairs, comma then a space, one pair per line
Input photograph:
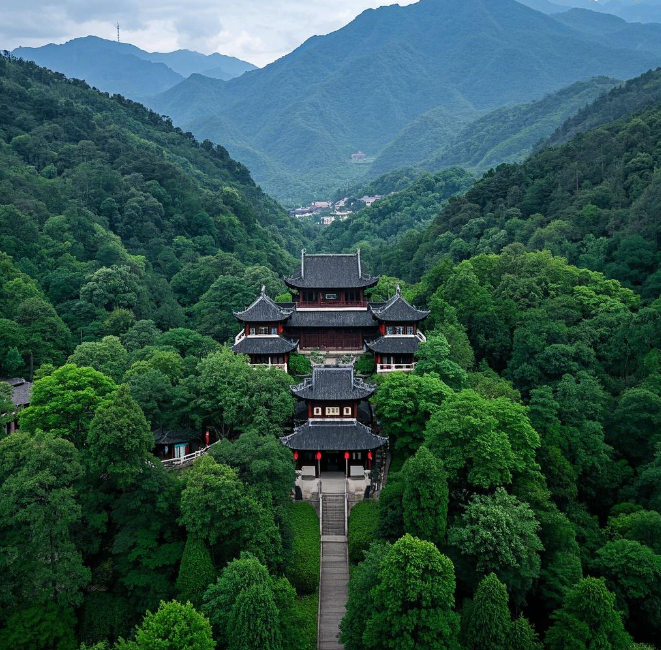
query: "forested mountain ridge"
593, 200
127, 70
389, 66
624, 100
110, 214
504, 135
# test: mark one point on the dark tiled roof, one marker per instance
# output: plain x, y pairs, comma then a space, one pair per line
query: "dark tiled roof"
399, 310
22, 389
341, 436
331, 318
330, 272
333, 384
264, 345
164, 436
395, 345
263, 310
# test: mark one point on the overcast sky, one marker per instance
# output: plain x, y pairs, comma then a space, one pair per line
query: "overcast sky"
258, 31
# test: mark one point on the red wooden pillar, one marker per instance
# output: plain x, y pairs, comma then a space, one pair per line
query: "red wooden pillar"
309, 410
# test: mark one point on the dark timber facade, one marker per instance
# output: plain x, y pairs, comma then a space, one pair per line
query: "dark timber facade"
330, 313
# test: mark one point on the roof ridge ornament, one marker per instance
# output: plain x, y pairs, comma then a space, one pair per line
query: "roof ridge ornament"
302, 263
360, 271
398, 291
263, 291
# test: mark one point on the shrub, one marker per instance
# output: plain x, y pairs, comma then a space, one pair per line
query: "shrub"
304, 621
363, 525
365, 365
299, 365
302, 569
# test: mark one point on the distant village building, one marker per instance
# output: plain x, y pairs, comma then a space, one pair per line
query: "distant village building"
20, 398
321, 205
359, 155
368, 200
328, 220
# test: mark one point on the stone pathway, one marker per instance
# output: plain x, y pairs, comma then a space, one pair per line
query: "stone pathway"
332, 590
334, 565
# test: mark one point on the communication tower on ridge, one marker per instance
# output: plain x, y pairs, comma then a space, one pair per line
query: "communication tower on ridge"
118, 32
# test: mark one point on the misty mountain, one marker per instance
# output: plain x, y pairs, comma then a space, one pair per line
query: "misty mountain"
357, 88
127, 70
506, 134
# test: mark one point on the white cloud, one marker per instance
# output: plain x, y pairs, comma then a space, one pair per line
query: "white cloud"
259, 31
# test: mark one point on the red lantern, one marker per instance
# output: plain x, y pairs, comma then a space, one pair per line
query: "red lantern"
369, 455
295, 455
318, 455
207, 437
346, 455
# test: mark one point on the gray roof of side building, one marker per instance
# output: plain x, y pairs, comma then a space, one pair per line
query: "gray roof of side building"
395, 345
164, 436
337, 271
328, 318
398, 310
329, 383
263, 310
340, 436
22, 390
264, 345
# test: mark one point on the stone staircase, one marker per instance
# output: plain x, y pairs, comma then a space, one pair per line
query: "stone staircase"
334, 568
333, 514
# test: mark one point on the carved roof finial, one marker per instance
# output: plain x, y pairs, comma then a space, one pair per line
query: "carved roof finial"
263, 290
399, 290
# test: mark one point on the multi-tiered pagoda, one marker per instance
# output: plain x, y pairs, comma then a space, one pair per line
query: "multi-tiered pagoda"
330, 312
333, 438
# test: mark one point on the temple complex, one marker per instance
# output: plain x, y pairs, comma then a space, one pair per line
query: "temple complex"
330, 312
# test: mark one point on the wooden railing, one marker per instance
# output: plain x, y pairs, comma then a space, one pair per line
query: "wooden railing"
392, 367
282, 366
182, 461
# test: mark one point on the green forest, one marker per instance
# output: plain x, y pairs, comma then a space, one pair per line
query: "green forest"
522, 509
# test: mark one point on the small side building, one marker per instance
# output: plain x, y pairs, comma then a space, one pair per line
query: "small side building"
261, 334
400, 334
22, 390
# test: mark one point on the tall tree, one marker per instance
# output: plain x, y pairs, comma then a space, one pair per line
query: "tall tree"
255, 620
360, 604
196, 572
425, 498
212, 503
488, 624
483, 442
404, 403
414, 600
119, 439
39, 512
221, 598
588, 619
64, 403
500, 534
